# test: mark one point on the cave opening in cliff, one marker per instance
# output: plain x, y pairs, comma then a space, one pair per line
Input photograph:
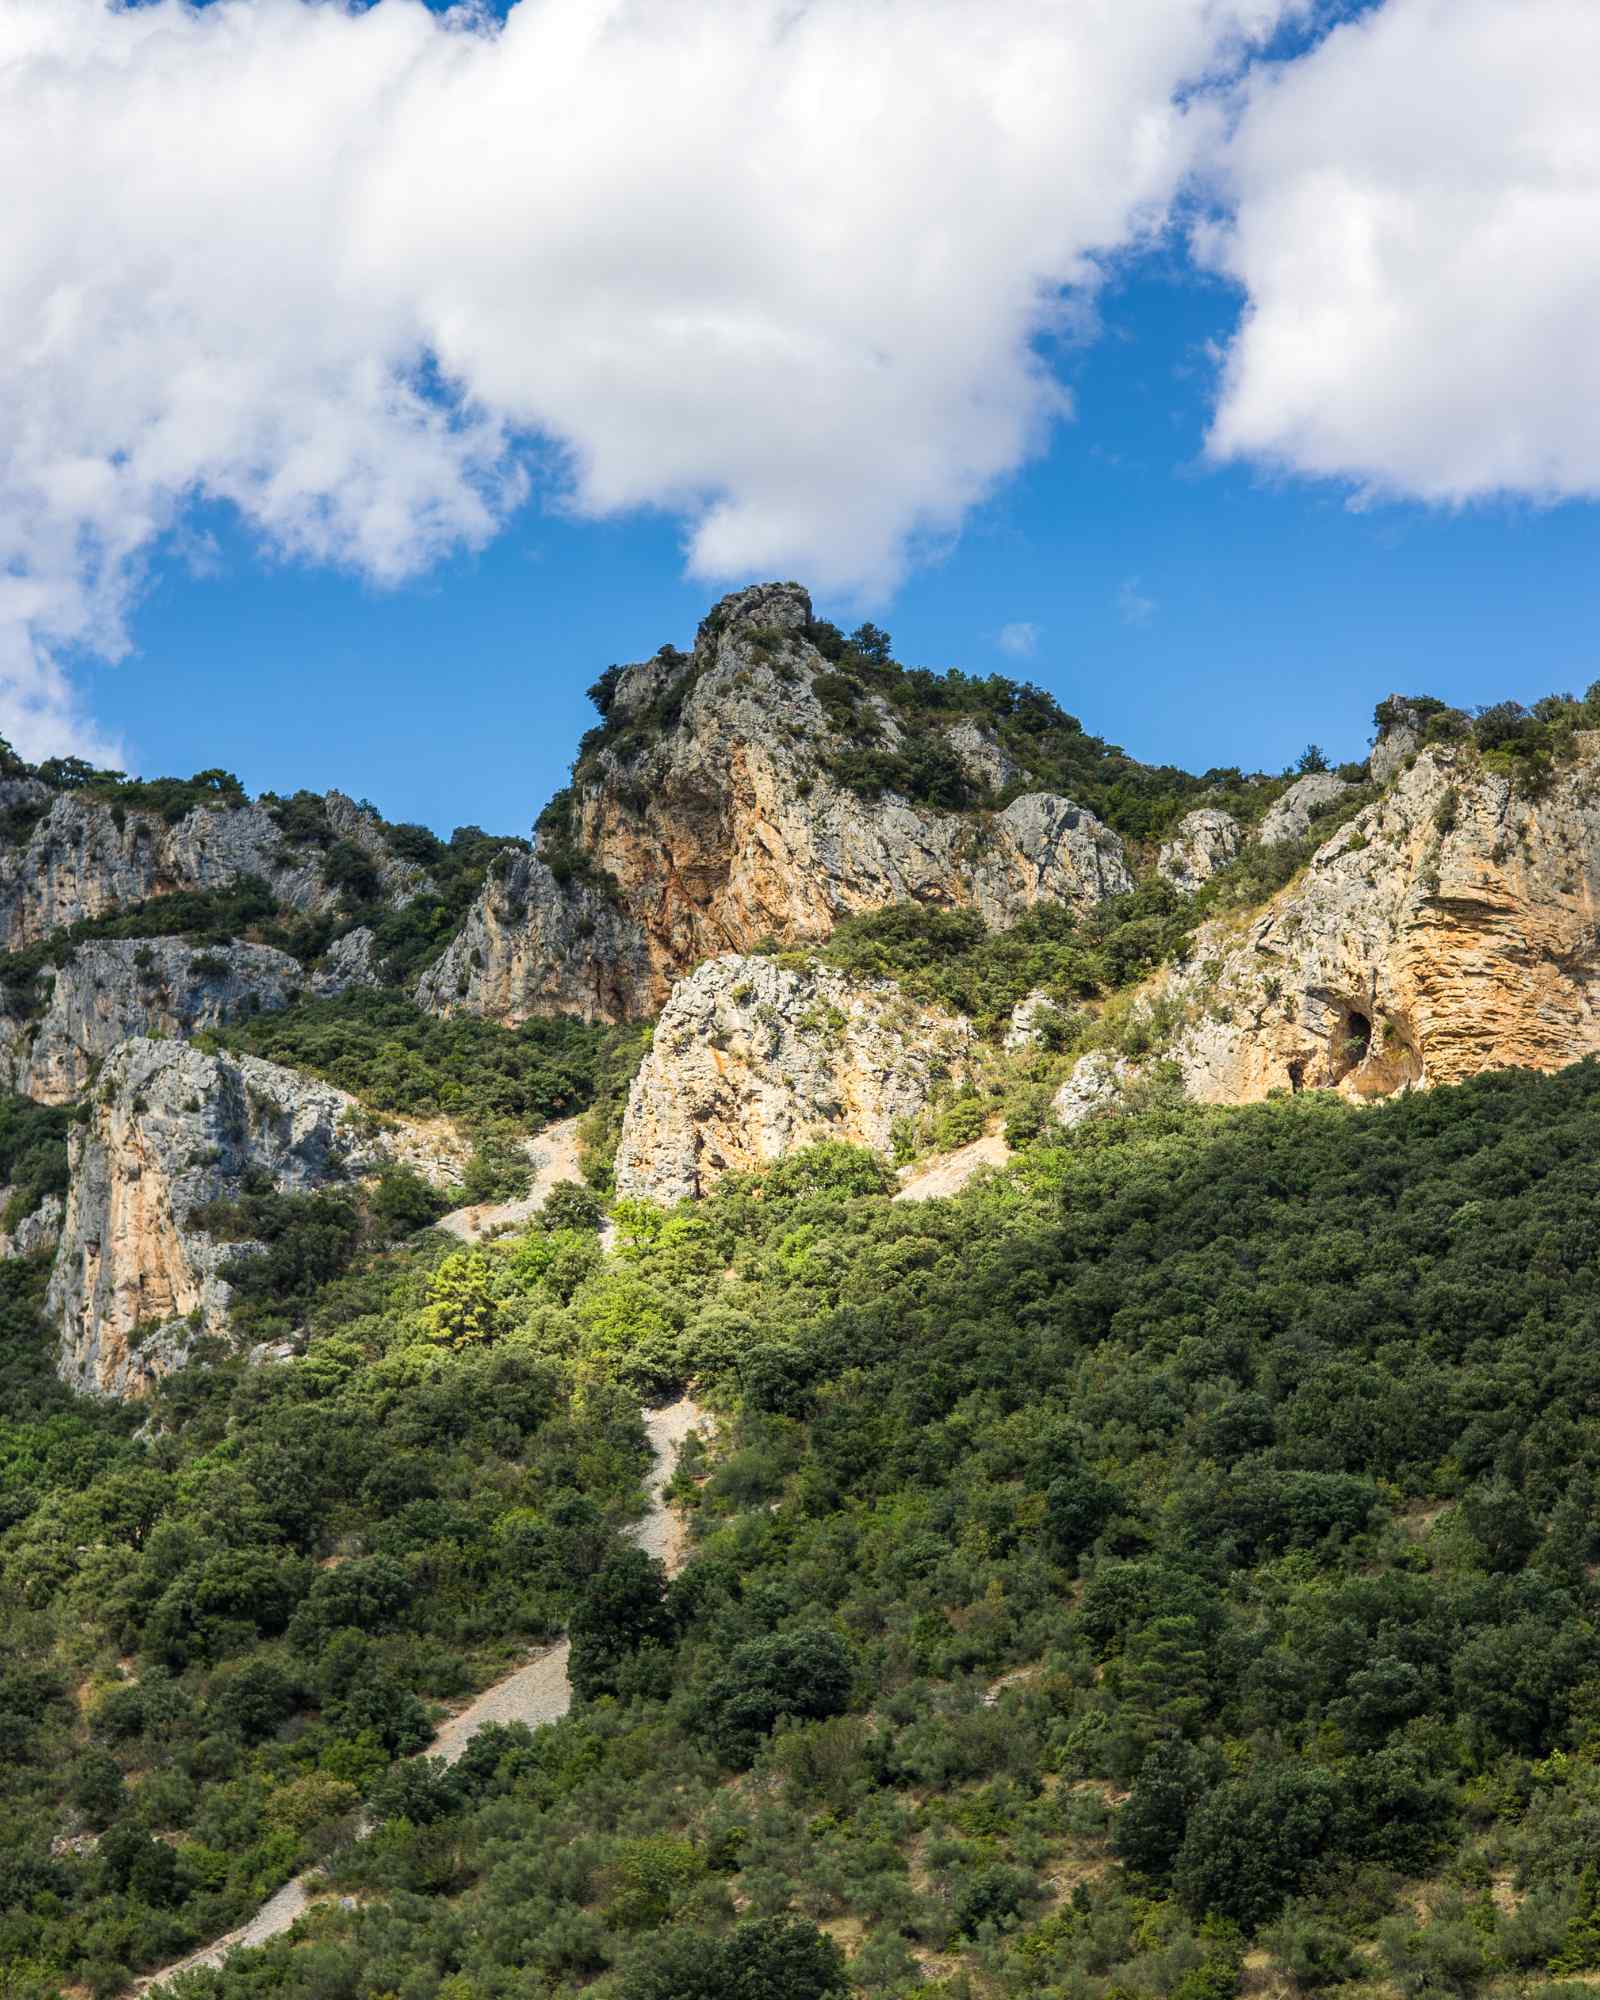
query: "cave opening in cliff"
1352, 1041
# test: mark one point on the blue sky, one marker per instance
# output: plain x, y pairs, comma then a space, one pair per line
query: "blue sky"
1341, 442
1277, 613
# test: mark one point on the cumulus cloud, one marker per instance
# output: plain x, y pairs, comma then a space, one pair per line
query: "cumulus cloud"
364, 273
1416, 223
1020, 640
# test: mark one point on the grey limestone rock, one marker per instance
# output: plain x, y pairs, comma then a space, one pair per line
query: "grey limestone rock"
1202, 842
113, 989
751, 1060
1289, 818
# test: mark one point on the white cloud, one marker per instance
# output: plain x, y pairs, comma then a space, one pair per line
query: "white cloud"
1020, 640
1417, 226
778, 269
1134, 607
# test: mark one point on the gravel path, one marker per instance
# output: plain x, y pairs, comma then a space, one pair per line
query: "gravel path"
536, 1693
948, 1173
555, 1159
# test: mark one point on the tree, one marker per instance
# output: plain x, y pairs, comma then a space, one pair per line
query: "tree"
1150, 1827
463, 1303
623, 1608
805, 1674
604, 691
872, 643
1312, 761
1251, 1842
772, 1958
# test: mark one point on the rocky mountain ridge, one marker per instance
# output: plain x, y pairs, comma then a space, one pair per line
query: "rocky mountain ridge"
711, 820
85, 856
735, 805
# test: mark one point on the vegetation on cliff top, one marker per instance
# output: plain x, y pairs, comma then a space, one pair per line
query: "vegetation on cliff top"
1052, 748
1178, 1546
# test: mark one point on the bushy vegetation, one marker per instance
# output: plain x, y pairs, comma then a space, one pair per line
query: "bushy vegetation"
33, 1155
1523, 744
1177, 1547
1053, 750
385, 1050
299, 1561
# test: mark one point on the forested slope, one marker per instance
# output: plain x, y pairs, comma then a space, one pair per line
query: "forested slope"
1164, 1566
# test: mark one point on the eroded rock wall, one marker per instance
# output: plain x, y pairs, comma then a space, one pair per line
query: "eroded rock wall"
1452, 927
137, 1281
88, 857
751, 1060
115, 989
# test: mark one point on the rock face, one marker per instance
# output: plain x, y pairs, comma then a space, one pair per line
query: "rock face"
136, 1279
1095, 1086
115, 989
710, 820
533, 945
1202, 842
86, 857
1450, 928
751, 1061
1289, 818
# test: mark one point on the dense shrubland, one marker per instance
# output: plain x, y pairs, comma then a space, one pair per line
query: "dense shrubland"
1177, 1548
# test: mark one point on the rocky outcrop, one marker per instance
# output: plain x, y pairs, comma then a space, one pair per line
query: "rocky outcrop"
1096, 1086
751, 1060
1451, 927
37, 1231
349, 961
1399, 737
114, 989
711, 818
1031, 1020
1202, 842
137, 1280
86, 857
1289, 818
535, 945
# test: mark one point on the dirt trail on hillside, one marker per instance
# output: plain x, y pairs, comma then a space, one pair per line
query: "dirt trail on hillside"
948, 1173
554, 1154
536, 1693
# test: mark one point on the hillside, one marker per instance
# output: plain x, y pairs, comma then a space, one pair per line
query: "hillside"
1127, 1236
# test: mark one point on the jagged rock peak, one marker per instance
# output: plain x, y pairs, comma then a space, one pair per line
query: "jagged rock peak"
751, 1060
758, 788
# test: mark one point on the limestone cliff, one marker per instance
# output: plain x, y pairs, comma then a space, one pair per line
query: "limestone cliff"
86, 856
751, 1060
136, 1280
1452, 927
710, 817
114, 989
